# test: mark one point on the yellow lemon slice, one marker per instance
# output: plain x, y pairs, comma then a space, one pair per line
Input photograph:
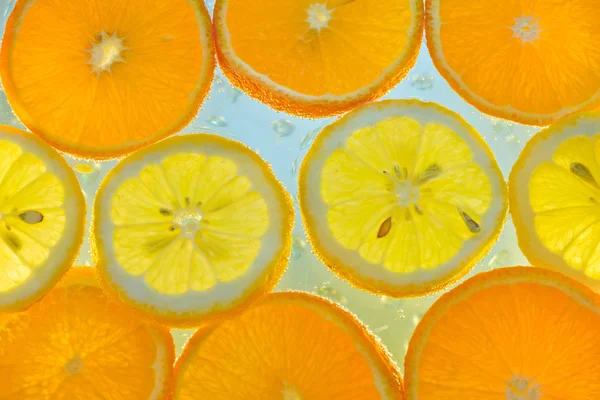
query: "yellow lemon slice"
192, 229
401, 197
42, 218
287, 346
555, 196
77, 343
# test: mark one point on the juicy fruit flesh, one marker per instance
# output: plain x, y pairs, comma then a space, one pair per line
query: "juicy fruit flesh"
105, 76
77, 341
187, 223
345, 45
280, 351
538, 61
564, 195
403, 195
32, 217
518, 341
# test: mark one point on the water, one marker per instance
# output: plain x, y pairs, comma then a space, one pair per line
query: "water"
283, 140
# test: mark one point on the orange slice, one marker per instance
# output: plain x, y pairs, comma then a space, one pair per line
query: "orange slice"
42, 218
528, 61
192, 229
514, 333
99, 79
289, 346
401, 197
77, 343
317, 57
555, 196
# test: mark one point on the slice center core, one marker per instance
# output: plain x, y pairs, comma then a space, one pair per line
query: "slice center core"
74, 365
526, 28
521, 388
105, 52
189, 221
318, 16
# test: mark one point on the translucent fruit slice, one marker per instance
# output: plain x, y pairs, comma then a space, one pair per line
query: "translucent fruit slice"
42, 218
289, 346
513, 333
526, 61
555, 198
401, 197
100, 79
77, 343
192, 229
317, 57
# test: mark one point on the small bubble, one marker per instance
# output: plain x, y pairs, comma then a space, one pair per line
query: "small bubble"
85, 168
400, 314
88, 172
380, 329
232, 94
217, 120
422, 81
502, 258
326, 290
295, 166
384, 299
308, 139
298, 247
283, 127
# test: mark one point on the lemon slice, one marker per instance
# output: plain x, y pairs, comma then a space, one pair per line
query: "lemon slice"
42, 218
192, 228
401, 197
555, 196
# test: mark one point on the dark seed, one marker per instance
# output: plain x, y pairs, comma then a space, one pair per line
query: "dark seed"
172, 228
31, 217
187, 201
469, 222
166, 212
593, 200
8, 228
398, 173
13, 241
431, 172
583, 172
418, 210
385, 227
199, 204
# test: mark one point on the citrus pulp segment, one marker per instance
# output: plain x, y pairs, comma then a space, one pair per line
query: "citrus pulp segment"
519, 333
521, 60
42, 218
77, 343
554, 196
100, 79
317, 57
192, 229
291, 346
401, 197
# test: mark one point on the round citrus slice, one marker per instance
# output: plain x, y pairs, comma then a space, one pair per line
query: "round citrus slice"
192, 229
42, 218
77, 343
513, 333
401, 197
521, 60
555, 196
317, 57
100, 79
290, 346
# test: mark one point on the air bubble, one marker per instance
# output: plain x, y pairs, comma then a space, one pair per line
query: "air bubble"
283, 127
298, 247
422, 81
217, 120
